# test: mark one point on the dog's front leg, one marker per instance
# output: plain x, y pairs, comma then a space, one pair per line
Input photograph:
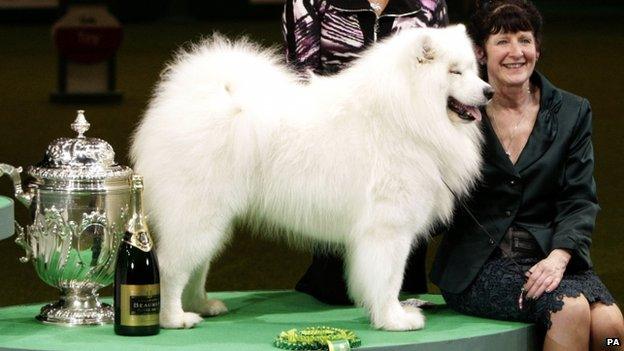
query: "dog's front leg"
375, 265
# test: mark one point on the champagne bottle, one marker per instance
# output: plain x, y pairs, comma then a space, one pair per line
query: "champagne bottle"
137, 281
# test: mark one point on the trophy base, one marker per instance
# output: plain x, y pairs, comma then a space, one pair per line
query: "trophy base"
77, 311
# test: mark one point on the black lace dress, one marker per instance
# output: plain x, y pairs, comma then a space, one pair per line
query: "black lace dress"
495, 292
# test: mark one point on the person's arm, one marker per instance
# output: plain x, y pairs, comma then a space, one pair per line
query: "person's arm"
301, 24
577, 207
440, 14
577, 204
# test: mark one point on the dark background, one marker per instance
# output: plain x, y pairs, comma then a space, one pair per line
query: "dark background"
582, 52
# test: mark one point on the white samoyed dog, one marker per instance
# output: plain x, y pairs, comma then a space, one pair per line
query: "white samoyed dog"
366, 161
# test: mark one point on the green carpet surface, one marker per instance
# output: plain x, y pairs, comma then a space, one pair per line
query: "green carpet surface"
254, 320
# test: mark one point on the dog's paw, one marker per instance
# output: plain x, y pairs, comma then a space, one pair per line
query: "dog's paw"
402, 319
211, 307
182, 320
417, 317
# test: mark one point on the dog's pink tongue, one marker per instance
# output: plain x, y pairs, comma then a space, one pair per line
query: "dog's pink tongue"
475, 112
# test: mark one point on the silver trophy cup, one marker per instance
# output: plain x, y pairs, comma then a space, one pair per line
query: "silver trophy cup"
79, 199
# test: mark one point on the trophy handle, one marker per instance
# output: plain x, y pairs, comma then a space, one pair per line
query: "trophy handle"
23, 243
26, 199
14, 173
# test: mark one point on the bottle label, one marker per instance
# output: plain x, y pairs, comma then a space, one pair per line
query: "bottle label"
141, 241
140, 304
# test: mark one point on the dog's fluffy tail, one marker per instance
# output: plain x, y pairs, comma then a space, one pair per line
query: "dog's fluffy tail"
228, 77
213, 90
220, 87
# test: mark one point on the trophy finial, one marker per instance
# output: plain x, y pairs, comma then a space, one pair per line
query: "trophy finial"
80, 124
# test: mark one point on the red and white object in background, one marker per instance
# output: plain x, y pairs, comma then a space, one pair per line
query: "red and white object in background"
87, 34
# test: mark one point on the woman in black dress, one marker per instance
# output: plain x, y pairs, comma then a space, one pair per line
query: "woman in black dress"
528, 258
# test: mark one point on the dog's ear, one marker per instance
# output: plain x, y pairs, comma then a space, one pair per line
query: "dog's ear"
426, 52
460, 27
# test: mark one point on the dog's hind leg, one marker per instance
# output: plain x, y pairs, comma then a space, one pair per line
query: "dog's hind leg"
194, 298
375, 266
183, 260
173, 278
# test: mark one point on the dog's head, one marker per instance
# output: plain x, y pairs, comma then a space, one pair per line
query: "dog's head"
449, 52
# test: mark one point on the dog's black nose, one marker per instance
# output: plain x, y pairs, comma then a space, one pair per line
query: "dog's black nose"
488, 92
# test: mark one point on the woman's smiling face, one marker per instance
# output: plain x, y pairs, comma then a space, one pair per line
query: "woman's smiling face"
511, 57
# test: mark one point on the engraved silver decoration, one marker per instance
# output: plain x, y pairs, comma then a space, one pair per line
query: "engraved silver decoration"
79, 199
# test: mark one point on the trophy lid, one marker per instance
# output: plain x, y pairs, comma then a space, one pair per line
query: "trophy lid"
89, 163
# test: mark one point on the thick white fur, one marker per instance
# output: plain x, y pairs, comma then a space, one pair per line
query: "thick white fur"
357, 160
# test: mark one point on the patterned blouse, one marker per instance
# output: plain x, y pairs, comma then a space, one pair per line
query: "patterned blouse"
325, 35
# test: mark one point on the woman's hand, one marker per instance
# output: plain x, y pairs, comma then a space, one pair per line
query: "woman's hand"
546, 274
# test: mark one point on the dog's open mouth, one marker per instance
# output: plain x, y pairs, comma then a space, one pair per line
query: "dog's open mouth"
465, 112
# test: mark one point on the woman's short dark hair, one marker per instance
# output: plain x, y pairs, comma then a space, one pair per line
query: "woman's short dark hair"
507, 16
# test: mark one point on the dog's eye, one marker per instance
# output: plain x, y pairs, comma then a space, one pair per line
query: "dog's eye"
455, 72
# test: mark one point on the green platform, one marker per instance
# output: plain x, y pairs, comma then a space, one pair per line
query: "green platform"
256, 317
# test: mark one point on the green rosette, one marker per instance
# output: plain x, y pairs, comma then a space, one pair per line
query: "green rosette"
316, 338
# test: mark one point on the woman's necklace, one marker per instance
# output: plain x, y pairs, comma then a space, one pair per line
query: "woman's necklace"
512, 133
507, 146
